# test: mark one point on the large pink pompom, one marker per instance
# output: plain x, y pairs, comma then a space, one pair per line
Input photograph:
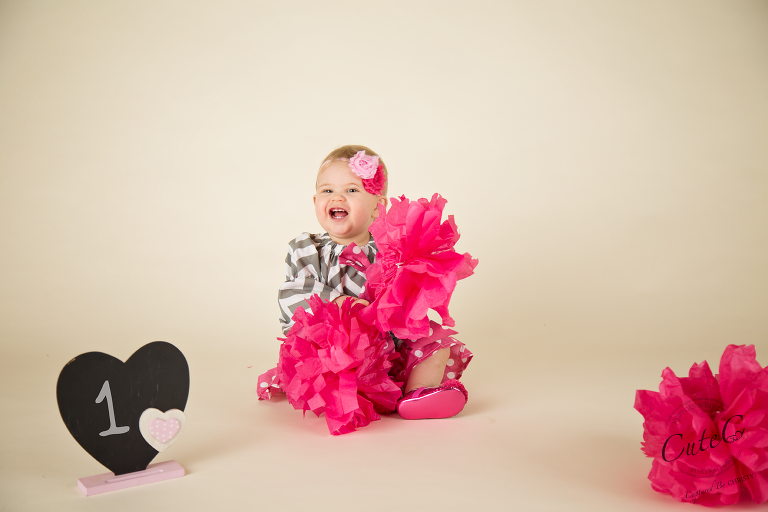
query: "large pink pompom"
708, 435
331, 362
416, 268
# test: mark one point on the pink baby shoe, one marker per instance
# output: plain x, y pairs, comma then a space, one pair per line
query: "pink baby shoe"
441, 402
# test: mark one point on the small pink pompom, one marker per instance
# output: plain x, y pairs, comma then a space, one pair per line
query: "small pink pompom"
708, 435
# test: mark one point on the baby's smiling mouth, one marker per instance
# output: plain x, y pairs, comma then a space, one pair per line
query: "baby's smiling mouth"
338, 213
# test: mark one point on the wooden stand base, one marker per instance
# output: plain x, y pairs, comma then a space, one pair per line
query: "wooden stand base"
98, 484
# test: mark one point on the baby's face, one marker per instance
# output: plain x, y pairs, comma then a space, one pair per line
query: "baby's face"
342, 206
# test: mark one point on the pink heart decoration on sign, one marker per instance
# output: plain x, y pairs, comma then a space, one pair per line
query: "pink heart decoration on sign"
161, 429
164, 430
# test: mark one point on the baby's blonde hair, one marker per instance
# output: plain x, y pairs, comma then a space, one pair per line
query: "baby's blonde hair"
349, 152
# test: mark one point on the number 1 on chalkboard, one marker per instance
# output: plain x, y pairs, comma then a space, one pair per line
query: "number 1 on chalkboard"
113, 429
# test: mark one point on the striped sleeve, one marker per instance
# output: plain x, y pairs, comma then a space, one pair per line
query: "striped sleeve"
302, 279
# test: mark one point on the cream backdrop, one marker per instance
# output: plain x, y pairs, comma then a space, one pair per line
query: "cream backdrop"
606, 161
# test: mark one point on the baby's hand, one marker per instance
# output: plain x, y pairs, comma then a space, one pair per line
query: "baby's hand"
338, 300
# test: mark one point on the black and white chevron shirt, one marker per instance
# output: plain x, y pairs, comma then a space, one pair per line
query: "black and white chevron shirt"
312, 267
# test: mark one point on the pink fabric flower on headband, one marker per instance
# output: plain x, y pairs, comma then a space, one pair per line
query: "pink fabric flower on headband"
363, 165
375, 185
369, 170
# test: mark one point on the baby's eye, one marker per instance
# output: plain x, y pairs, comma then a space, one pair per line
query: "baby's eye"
327, 190
352, 190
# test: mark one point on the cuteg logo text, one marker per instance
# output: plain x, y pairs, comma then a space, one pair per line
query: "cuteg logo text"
675, 448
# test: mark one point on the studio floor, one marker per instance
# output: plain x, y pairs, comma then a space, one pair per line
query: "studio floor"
540, 432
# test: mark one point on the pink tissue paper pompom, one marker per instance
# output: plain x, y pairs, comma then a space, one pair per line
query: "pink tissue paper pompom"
332, 362
707, 434
416, 268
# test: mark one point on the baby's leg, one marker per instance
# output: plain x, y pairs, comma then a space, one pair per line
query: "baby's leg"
429, 373
429, 367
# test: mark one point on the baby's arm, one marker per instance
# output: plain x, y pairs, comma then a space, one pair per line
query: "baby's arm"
302, 280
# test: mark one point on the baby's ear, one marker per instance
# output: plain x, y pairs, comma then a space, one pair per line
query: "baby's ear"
382, 205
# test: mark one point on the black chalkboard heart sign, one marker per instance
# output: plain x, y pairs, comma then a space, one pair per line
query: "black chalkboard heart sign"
101, 400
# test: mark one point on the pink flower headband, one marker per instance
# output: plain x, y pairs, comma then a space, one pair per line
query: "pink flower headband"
368, 169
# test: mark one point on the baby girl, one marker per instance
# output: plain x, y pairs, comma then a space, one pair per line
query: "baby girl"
350, 193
